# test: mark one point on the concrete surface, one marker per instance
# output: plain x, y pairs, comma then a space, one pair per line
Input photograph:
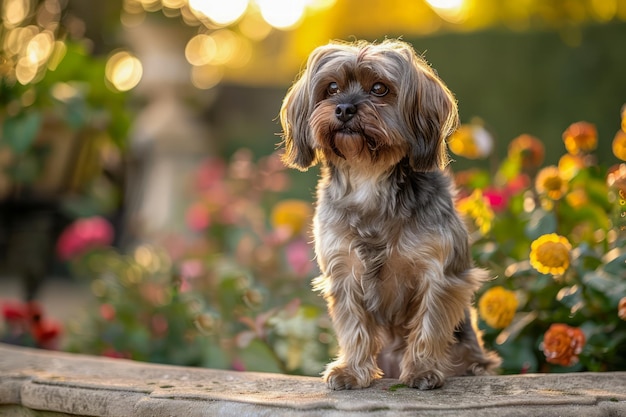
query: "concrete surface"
52, 384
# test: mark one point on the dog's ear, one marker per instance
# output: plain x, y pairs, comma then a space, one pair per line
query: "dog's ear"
430, 111
294, 118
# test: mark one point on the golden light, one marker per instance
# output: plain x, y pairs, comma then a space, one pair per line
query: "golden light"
282, 14
40, 47
254, 27
25, 71
454, 11
123, 71
200, 50
206, 76
226, 41
15, 11
219, 11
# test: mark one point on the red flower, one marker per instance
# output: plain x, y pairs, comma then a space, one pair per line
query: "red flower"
84, 234
107, 312
45, 332
562, 344
14, 311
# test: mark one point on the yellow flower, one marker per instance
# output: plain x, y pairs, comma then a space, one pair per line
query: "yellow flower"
497, 307
550, 254
619, 145
477, 207
570, 165
293, 215
471, 141
550, 182
580, 137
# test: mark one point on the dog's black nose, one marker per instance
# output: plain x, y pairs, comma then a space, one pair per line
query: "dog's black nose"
345, 111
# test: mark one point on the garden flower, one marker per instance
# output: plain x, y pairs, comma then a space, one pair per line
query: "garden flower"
529, 149
581, 137
497, 307
550, 182
562, 344
621, 309
477, 207
619, 145
291, 214
82, 235
550, 254
198, 217
471, 141
298, 254
570, 165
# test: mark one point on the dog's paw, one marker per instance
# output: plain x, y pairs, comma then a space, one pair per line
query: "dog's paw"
340, 378
424, 380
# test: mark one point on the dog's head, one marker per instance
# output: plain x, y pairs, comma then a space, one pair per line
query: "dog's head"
367, 103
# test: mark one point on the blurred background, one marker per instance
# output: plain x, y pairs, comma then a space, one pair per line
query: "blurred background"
138, 163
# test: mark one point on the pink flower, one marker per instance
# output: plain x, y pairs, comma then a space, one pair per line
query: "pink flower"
298, 255
189, 270
198, 217
82, 235
210, 173
497, 199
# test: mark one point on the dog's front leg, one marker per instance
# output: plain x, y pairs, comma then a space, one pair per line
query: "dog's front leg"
358, 337
436, 311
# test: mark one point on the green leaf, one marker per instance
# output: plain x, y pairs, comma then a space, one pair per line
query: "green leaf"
257, 357
541, 222
21, 131
617, 266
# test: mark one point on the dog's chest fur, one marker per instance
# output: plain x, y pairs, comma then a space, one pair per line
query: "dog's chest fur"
380, 237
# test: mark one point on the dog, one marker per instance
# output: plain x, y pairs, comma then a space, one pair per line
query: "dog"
396, 269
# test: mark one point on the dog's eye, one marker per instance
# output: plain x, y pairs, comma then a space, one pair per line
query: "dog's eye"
379, 89
333, 88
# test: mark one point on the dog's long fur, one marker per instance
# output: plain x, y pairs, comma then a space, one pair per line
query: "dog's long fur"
395, 259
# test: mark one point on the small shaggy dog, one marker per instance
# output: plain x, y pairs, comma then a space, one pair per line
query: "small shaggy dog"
397, 273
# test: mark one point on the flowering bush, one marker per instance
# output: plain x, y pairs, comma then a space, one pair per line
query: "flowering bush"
232, 293
554, 239
26, 325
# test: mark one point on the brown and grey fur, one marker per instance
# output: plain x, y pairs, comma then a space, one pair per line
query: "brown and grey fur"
395, 259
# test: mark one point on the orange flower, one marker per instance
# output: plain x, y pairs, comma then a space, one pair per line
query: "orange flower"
580, 137
562, 344
619, 145
550, 254
621, 309
550, 182
497, 307
530, 150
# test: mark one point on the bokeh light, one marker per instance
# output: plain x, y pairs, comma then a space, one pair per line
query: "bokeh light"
123, 71
219, 11
454, 11
282, 14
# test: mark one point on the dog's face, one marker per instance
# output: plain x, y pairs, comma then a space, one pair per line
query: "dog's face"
370, 104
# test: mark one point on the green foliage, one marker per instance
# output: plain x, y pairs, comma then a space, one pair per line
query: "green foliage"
235, 296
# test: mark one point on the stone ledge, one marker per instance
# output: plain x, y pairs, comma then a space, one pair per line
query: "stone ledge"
53, 384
